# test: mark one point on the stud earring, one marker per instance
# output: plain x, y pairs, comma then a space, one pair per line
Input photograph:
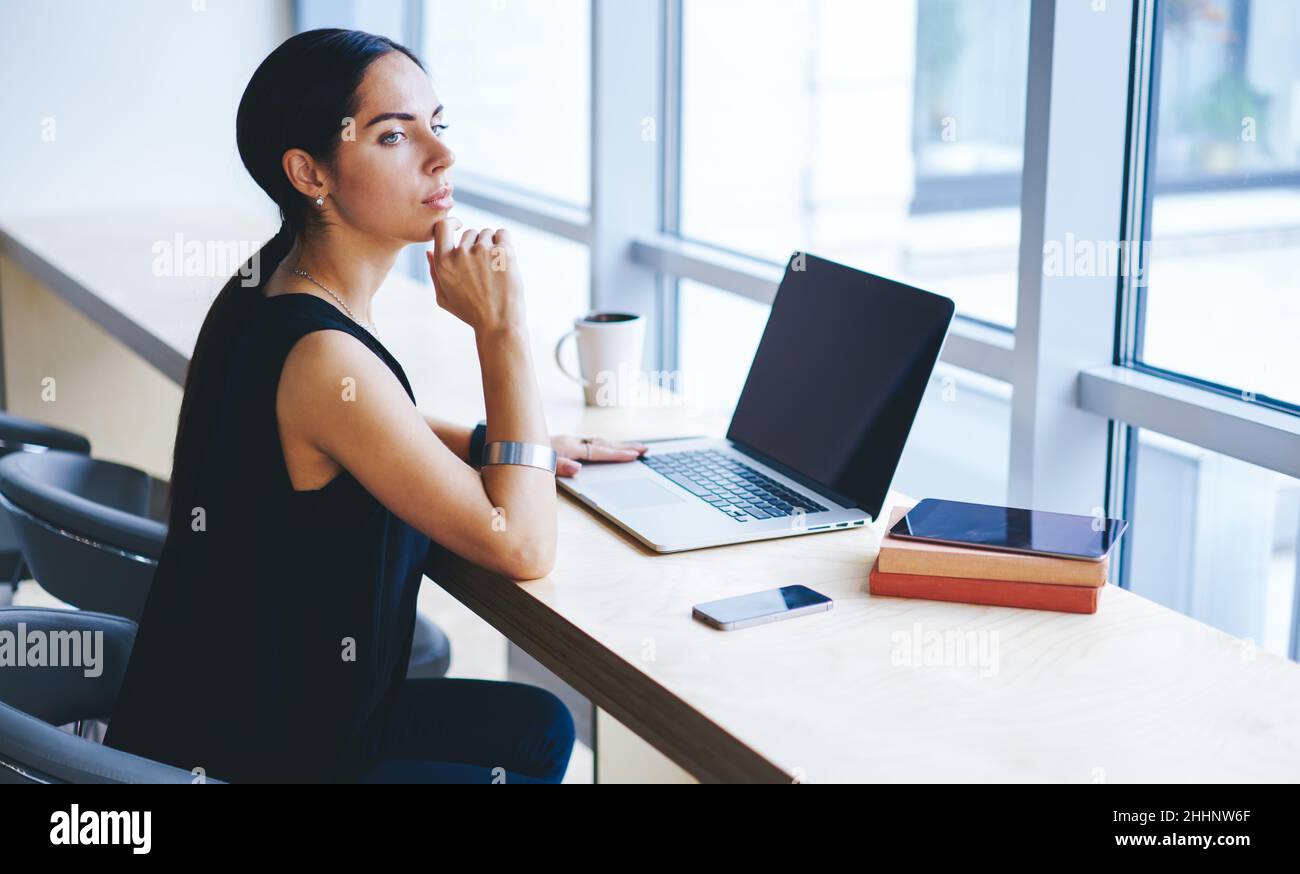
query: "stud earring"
320, 200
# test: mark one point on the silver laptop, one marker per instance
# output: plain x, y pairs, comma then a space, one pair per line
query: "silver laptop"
817, 434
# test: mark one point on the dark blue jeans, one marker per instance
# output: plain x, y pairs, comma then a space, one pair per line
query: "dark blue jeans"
470, 731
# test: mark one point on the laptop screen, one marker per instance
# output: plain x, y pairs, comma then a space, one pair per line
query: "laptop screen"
839, 375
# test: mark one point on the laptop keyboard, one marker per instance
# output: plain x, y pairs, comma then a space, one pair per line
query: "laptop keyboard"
733, 488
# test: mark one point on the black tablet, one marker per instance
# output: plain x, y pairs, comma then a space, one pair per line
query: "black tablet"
1011, 529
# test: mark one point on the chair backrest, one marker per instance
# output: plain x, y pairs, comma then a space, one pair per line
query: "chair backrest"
82, 655
17, 435
91, 530
84, 659
100, 500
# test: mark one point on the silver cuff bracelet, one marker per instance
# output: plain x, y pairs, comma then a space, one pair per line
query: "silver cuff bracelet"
527, 454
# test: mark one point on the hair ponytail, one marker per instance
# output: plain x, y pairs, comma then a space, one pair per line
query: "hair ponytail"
297, 98
232, 307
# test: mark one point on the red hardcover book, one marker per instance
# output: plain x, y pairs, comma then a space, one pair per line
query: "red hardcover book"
997, 593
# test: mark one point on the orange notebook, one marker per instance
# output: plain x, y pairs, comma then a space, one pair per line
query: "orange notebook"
899, 556
997, 593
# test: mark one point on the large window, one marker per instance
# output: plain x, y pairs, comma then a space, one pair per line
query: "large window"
1214, 536
1222, 297
883, 135
515, 78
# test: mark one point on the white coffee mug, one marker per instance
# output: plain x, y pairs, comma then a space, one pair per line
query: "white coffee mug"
609, 356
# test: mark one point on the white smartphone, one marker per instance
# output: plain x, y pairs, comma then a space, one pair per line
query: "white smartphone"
744, 611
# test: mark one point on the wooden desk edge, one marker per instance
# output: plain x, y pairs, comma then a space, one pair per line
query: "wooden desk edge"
677, 730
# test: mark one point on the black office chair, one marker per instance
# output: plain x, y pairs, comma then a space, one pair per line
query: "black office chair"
24, 435
34, 701
92, 532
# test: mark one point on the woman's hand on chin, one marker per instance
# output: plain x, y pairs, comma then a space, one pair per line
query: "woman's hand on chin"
574, 452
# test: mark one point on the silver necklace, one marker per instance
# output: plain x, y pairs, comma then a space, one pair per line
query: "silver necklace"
369, 327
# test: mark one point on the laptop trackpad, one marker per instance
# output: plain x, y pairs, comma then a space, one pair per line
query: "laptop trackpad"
630, 494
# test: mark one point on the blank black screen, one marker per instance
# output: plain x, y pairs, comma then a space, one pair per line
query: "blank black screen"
839, 375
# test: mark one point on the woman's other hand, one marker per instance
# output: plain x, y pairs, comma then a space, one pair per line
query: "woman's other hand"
573, 452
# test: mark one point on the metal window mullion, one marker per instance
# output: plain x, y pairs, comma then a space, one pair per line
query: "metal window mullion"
1253, 433
737, 274
670, 157
671, 121
1131, 307
1140, 190
971, 345
413, 22
560, 220
1076, 121
625, 158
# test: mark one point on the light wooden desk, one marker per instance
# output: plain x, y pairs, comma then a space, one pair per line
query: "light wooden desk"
886, 689
1136, 692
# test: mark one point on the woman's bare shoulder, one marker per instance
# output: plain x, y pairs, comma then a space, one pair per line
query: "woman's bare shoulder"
329, 375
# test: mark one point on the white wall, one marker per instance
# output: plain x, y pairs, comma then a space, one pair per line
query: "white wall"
142, 94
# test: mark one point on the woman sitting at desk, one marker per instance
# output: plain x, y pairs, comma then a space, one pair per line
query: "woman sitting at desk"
307, 487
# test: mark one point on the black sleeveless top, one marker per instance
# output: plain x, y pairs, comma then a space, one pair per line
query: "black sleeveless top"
274, 635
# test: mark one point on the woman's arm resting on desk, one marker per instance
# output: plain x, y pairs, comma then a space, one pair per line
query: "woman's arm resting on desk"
573, 451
